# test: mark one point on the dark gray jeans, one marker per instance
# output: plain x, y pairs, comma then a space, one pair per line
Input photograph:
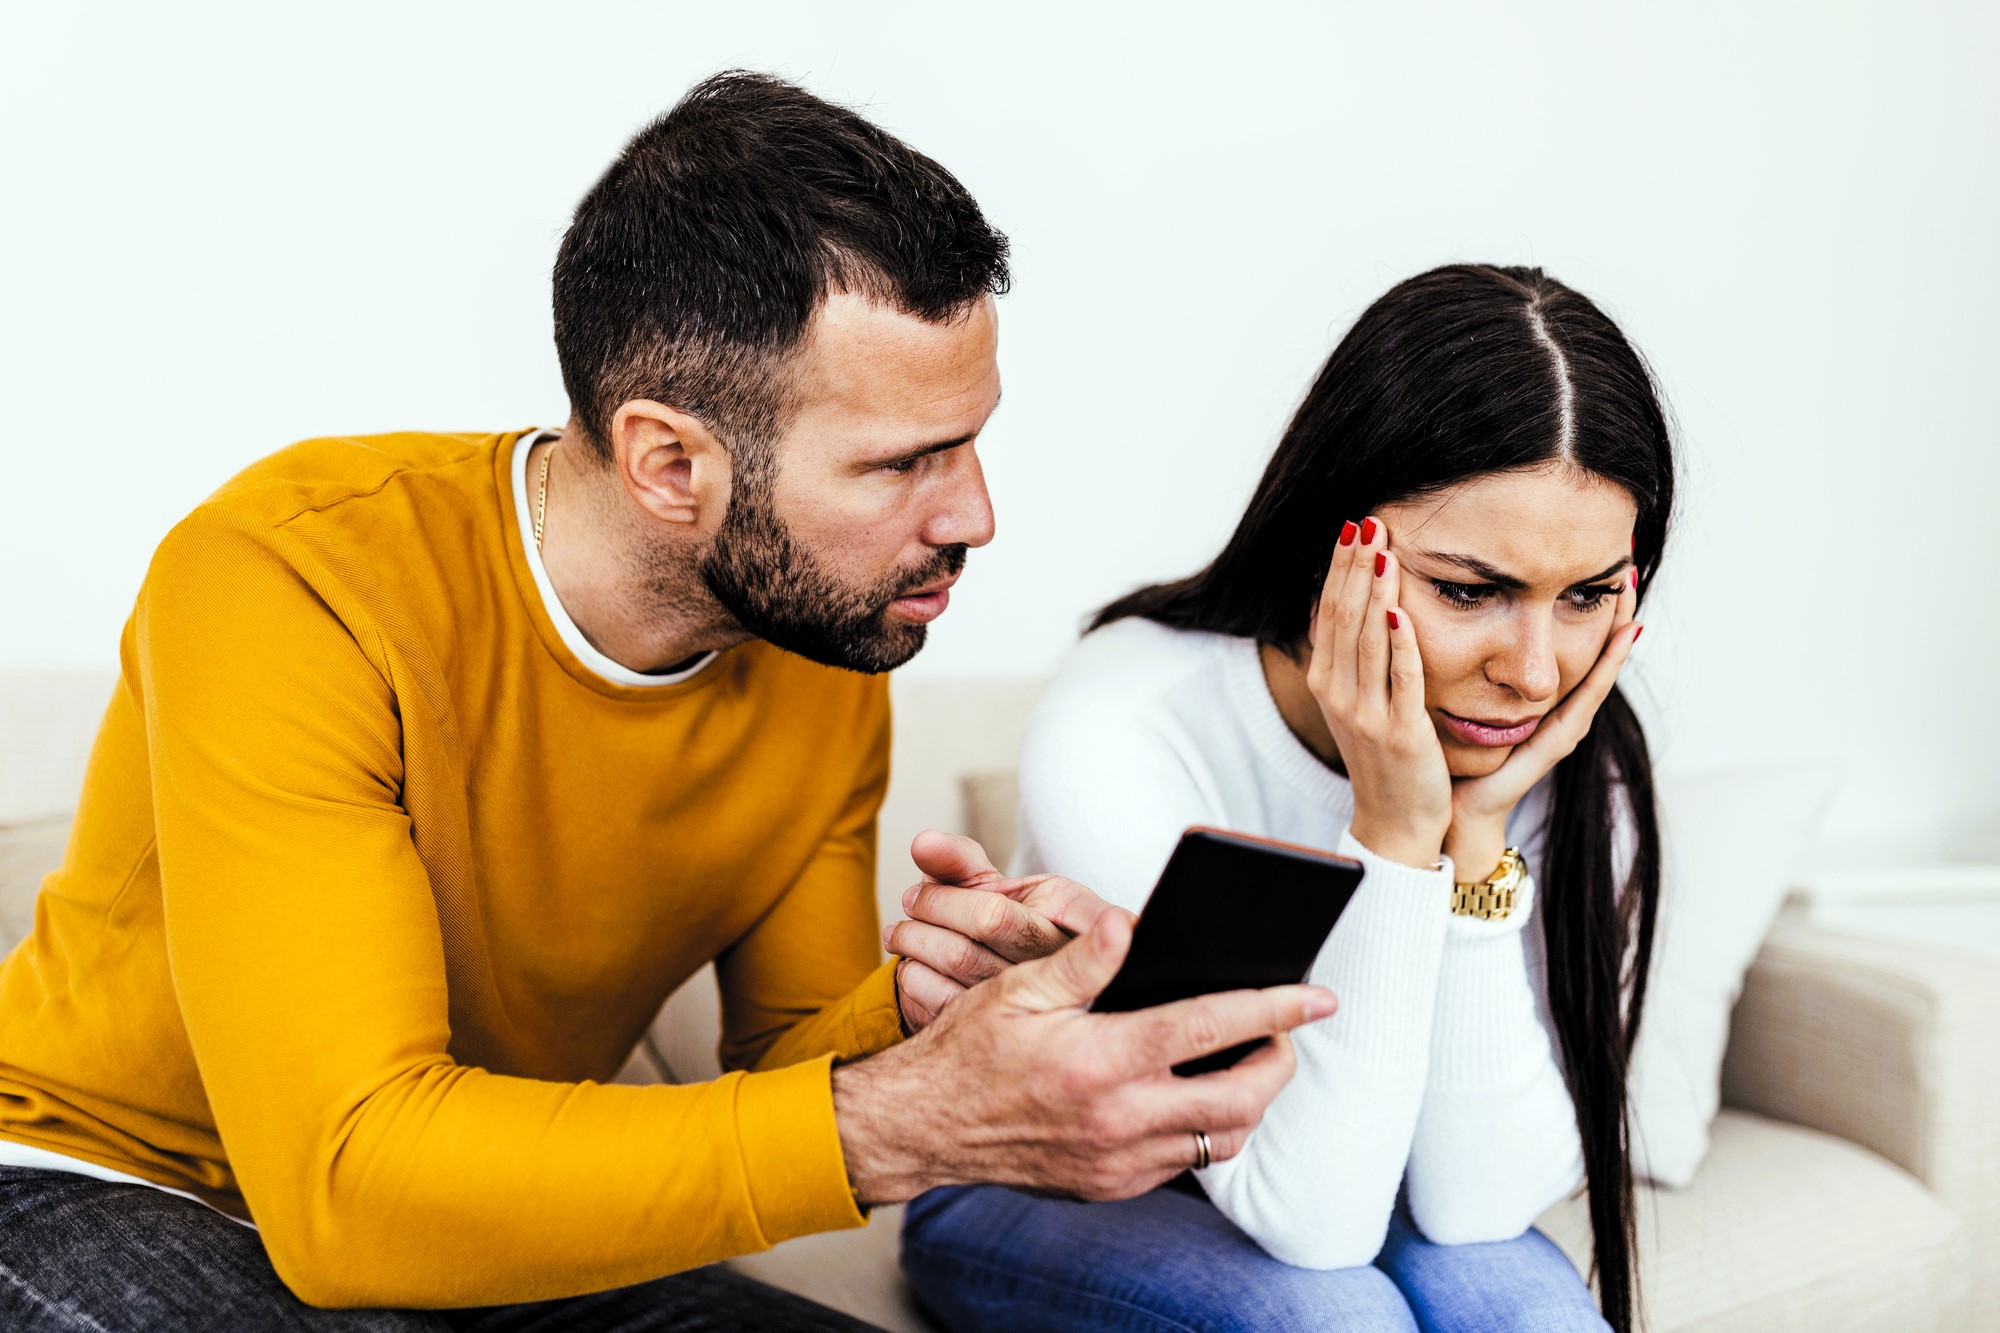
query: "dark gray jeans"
79, 1255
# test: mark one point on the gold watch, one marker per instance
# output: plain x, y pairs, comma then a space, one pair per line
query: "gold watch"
1492, 898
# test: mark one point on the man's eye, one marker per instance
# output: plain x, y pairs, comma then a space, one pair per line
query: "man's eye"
902, 466
1463, 594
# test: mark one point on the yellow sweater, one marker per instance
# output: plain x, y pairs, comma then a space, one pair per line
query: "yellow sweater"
373, 882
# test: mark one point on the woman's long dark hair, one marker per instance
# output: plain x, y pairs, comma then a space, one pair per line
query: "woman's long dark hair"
1462, 371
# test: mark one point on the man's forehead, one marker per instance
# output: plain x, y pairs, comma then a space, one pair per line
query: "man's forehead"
866, 360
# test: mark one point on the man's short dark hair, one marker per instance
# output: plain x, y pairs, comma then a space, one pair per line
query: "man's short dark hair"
694, 267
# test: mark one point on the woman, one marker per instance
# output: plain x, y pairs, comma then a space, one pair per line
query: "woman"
1408, 650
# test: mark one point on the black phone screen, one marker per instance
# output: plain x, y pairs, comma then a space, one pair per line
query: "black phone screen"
1230, 912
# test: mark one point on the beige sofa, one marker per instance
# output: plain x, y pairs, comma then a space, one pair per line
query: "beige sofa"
1854, 1180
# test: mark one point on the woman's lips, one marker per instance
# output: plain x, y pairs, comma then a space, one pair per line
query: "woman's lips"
1489, 733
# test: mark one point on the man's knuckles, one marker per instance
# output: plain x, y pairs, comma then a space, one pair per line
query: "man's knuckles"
995, 918
1079, 1081
1193, 1031
1103, 1126
931, 901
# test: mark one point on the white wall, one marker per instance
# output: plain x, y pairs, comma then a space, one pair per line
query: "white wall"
228, 232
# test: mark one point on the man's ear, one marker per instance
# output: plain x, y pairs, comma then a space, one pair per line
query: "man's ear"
671, 464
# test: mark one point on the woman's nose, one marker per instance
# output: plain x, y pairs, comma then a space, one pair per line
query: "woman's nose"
1526, 663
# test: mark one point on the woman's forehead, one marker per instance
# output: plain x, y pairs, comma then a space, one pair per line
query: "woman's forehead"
1548, 525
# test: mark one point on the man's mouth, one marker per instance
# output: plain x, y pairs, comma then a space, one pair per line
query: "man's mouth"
927, 603
1492, 732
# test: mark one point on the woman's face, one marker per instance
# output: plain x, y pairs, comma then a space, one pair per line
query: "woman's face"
1510, 581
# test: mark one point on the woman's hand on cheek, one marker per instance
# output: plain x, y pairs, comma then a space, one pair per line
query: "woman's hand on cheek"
1368, 679
1480, 806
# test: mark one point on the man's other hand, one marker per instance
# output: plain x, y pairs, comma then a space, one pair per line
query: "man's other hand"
969, 922
1017, 1083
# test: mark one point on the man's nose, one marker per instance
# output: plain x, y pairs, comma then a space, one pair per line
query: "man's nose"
1526, 662
966, 516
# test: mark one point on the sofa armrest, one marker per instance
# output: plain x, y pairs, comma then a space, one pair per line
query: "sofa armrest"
1888, 1044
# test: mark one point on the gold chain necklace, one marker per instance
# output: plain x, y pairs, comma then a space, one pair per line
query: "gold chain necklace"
542, 494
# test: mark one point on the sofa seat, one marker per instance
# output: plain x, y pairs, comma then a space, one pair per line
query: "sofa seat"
1788, 1228
1783, 1228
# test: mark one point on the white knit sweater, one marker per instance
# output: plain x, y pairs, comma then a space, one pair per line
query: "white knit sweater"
1440, 1067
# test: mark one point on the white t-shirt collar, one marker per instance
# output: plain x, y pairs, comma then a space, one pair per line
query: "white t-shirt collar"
615, 672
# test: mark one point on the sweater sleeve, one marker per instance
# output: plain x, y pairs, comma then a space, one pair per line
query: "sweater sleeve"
1105, 796
1496, 1141
809, 978
1316, 1183
310, 971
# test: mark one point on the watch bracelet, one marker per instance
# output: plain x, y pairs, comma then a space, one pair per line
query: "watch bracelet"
1482, 900
1492, 898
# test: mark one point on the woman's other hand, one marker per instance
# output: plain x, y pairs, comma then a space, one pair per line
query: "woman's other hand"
1480, 806
1368, 679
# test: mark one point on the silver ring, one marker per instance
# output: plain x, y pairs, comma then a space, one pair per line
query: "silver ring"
1203, 1155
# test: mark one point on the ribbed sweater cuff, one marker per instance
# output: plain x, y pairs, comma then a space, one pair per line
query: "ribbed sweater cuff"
1487, 1033
1382, 959
792, 1160
878, 1014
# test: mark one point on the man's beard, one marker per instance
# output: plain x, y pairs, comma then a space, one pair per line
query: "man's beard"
781, 592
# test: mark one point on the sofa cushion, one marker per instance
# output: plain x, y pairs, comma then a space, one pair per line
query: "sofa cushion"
1730, 840
1784, 1227
47, 720
29, 850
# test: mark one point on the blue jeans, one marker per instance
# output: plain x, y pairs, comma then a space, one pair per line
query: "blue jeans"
982, 1257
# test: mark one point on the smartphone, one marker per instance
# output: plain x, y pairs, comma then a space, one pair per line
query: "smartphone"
1230, 912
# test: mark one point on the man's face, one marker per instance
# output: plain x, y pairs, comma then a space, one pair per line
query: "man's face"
843, 552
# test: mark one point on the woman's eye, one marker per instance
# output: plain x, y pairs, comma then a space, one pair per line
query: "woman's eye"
1463, 594
1589, 599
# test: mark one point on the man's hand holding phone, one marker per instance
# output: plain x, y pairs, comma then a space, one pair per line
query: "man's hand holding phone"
1017, 1083
1011, 1080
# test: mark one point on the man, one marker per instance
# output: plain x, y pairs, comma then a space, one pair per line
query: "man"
439, 761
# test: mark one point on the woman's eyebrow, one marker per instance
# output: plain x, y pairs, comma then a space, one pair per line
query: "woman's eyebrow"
1479, 569
1597, 578
1472, 565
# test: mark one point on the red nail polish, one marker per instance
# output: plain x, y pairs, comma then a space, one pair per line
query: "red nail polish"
1347, 531
1635, 576
1637, 632
1367, 530
1381, 562
1395, 621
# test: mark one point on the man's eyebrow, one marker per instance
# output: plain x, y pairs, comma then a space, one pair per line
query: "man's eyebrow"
921, 451
1488, 574
924, 450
